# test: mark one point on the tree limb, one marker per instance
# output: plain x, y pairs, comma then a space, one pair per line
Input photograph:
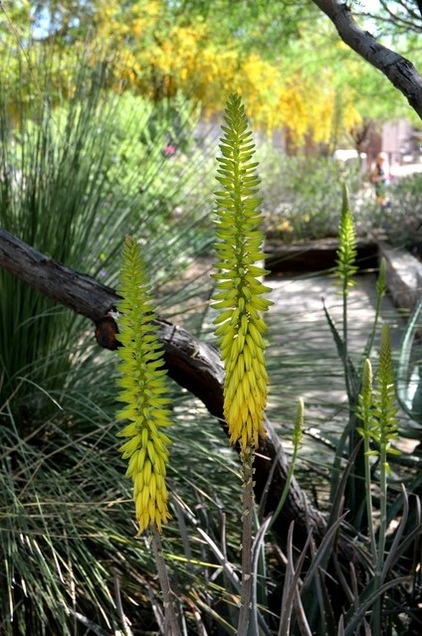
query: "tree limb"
400, 71
193, 364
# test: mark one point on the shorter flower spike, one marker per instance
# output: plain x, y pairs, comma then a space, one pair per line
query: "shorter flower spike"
239, 289
144, 392
346, 253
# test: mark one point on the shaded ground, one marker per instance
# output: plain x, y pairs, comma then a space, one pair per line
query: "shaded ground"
310, 368
299, 337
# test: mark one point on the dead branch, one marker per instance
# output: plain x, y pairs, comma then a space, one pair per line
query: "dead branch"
193, 364
400, 71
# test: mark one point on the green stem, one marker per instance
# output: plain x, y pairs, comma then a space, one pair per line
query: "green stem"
381, 540
247, 572
171, 625
286, 488
349, 392
369, 507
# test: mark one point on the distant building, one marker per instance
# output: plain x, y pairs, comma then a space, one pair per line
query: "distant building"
402, 142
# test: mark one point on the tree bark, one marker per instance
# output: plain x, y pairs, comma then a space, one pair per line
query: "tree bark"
193, 364
400, 71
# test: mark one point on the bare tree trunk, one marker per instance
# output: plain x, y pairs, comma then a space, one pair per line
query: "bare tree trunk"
401, 73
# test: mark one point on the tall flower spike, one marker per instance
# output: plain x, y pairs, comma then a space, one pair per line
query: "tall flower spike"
346, 254
384, 396
143, 389
239, 291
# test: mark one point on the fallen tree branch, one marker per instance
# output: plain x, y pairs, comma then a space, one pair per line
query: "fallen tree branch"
193, 364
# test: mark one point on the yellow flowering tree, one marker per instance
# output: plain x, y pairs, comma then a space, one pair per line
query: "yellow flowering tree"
156, 50
160, 57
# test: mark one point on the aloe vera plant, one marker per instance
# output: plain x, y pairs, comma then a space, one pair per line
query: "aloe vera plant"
143, 390
240, 324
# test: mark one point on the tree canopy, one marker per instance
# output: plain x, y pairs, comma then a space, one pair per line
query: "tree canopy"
285, 59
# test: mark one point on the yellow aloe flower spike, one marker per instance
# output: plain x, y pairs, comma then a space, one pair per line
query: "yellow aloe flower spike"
144, 391
238, 297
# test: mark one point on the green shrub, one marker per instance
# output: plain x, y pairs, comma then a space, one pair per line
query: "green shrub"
301, 197
401, 220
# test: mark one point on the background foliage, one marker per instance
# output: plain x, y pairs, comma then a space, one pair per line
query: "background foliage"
99, 110
203, 50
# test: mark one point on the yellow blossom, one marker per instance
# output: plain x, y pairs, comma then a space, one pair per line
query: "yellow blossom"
240, 326
143, 390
